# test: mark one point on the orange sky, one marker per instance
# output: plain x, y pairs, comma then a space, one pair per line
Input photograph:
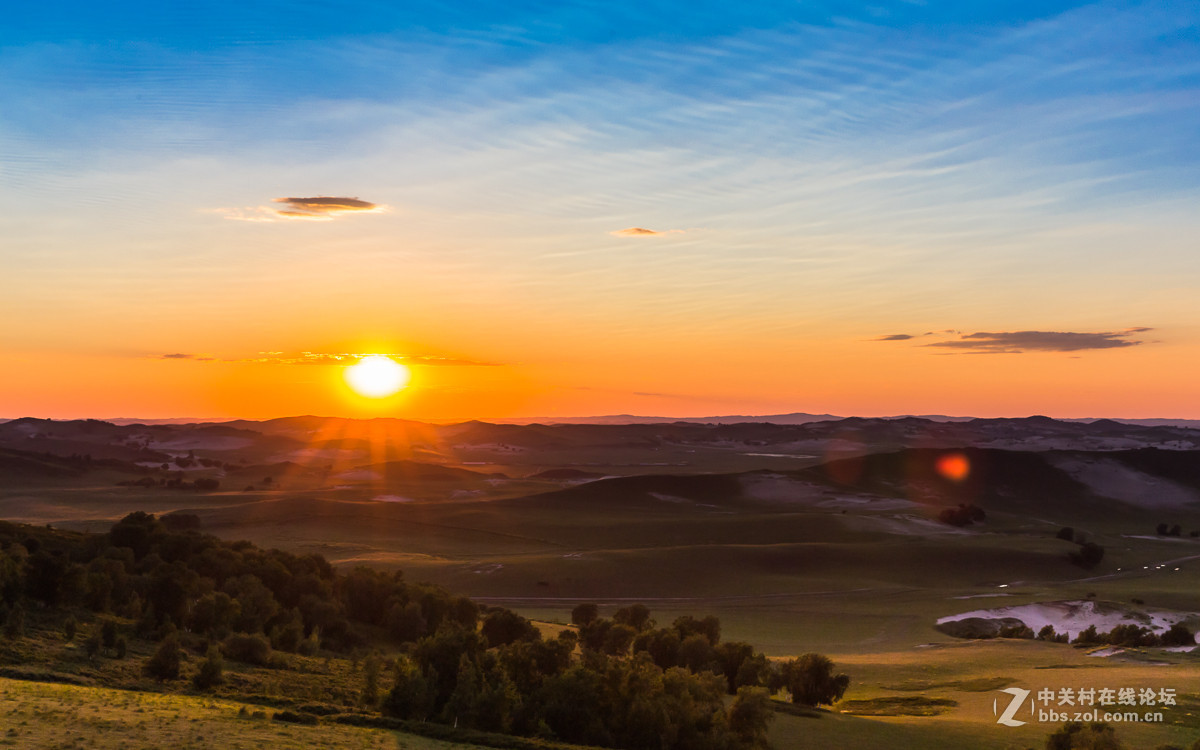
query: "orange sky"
956, 209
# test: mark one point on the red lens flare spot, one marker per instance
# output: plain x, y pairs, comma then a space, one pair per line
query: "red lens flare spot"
954, 466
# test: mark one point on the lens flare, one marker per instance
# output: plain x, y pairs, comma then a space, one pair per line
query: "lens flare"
954, 466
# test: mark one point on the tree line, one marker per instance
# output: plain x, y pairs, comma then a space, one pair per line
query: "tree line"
619, 681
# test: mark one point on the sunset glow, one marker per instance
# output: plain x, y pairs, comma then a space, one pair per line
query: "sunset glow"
377, 376
676, 210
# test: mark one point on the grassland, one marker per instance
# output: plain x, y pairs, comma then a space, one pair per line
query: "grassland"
790, 566
48, 715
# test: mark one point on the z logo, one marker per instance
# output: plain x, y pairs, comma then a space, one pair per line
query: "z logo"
1018, 697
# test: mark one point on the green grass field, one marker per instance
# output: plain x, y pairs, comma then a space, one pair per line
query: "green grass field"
47, 715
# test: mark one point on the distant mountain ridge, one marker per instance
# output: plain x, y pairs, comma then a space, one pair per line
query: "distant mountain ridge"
791, 418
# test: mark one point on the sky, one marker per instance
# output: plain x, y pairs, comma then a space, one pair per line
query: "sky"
212, 209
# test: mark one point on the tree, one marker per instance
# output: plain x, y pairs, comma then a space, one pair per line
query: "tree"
371, 669
811, 681
1088, 636
584, 614
411, 697
709, 627
164, 664
1089, 555
750, 715
695, 653
618, 639
211, 669
1178, 635
503, 626
636, 616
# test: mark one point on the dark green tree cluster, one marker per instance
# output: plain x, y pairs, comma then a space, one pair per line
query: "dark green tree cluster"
506, 678
617, 682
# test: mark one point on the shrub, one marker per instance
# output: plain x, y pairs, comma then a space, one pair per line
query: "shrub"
1075, 736
1089, 555
210, 674
248, 649
811, 681
1178, 635
164, 664
295, 718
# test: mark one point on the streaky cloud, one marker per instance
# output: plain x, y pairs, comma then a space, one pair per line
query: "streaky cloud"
643, 232
317, 208
895, 337
1017, 342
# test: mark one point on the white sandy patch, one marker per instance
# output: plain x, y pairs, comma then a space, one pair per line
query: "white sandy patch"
1157, 538
392, 499
1112, 479
979, 596
1111, 651
1075, 616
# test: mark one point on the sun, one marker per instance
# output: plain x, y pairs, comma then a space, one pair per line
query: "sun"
376, 376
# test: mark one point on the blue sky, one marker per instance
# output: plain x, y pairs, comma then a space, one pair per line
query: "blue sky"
820, 173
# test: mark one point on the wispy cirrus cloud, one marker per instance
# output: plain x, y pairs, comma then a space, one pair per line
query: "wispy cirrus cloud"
1018, 342
317, 208
643, 232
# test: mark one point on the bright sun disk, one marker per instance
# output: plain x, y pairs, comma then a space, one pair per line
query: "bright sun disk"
377, 376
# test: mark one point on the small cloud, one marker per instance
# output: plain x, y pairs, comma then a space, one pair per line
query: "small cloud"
1017, 342
317, 208
191, 357
643, 232
895, 337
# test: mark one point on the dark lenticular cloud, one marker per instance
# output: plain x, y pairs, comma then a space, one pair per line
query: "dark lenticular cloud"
1016, 342
895, 337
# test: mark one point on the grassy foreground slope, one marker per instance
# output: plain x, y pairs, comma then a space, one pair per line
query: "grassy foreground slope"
49, 715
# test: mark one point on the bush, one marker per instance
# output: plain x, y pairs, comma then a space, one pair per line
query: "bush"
164, 664
248, 649
210, 674
811, 681
1089, 555
1076, 736
295, 718
1178, 635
